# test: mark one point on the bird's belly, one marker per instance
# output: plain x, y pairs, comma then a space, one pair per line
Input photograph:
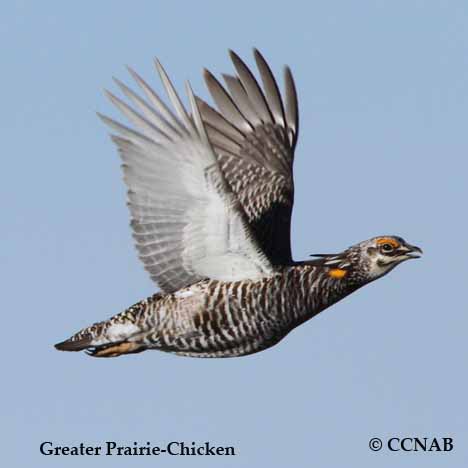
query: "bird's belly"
218, 326
223, 344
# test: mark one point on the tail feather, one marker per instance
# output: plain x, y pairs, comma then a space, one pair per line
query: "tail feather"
105, 339
121, 334
105, 350
74, 345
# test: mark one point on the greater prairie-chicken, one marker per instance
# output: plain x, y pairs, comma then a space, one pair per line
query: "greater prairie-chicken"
210, 195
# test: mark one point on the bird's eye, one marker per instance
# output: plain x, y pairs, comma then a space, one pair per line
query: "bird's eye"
386, 248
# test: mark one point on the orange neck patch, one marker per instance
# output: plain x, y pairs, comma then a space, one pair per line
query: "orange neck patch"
388, 240
337, 273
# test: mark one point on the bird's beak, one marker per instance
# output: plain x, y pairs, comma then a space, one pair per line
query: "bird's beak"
410, 251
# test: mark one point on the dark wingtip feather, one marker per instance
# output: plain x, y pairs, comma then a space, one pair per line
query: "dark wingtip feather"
224, 102
292, 111
272, 92
252, 88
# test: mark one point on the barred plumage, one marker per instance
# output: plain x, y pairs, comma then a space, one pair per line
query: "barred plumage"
210, 195
219, 319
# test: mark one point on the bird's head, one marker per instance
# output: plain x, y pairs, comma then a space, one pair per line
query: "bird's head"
370, 259
377, 256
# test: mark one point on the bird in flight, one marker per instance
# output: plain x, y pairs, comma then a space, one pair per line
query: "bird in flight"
210, 192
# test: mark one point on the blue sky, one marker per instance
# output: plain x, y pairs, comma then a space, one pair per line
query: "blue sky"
383, 89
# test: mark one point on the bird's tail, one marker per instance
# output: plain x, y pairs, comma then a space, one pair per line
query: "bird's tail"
119, 335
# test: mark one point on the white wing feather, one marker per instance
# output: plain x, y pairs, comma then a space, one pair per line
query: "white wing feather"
186, 222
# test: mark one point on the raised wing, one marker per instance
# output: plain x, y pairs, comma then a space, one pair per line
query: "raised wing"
187, 223
254, 134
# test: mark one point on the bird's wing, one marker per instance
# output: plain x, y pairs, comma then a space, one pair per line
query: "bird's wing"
187, 223
254, 133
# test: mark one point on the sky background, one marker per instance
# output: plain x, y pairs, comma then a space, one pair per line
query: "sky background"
383, 89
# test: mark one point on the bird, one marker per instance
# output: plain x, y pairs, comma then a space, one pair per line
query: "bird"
210, 194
